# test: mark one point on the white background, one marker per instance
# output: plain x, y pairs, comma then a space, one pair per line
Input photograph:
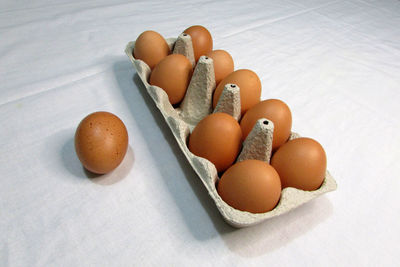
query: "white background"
335, 63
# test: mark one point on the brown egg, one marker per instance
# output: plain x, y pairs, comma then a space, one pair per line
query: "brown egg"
151, 47
250, 185
276, 111
250, 88
217, 138
201, 40
301, 163
173, 75
101, 141
223, 64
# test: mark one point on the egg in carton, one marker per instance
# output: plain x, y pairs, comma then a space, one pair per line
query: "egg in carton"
196, 105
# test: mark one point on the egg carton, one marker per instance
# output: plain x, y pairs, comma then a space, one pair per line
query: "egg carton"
195, 106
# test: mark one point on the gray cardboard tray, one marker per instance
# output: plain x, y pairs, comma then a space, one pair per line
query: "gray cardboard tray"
195, 106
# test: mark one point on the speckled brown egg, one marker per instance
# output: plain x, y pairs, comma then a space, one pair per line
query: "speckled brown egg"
173, 75
300, 163
101, 142
250, 88
151, 47
201, 40
223, 64
250, 185
217, 138
274, 110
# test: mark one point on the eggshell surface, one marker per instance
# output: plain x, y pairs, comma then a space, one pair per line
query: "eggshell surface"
217, 138
276, 111
201, 40
250, 185
173, 75
300, 163
151, 47
223, 64
250, 88
101, 142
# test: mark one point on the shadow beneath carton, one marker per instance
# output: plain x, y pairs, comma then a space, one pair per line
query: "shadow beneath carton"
278, 231
247, 242
138, 100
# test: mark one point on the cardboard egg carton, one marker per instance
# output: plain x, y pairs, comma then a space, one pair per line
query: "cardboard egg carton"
195, 106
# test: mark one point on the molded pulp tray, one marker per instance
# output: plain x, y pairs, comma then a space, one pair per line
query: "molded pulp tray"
182, 123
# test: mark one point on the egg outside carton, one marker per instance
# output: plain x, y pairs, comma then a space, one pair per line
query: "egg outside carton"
195, 106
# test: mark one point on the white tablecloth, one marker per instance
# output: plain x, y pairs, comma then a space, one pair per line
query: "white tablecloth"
335, 63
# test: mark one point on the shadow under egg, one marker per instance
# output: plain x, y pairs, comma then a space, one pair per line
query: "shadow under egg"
116, 175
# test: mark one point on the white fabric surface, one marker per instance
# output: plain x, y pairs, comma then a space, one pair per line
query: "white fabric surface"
336, 64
